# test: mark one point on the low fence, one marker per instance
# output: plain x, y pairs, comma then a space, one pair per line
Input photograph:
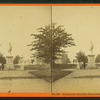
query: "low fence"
65, 66
30, 67
43, 66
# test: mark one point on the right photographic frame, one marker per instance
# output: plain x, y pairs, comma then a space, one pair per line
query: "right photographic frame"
76, 49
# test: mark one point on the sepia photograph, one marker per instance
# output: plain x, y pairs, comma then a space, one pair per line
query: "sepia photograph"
21, 70
49, 49
78, 67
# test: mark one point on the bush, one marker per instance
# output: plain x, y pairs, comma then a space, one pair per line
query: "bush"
98, 65
16, 59
97, 59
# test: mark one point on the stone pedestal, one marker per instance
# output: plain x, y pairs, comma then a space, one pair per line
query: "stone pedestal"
91, 62
9, 64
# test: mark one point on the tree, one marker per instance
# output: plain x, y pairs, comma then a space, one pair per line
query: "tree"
49, 42
32, 61
65, 59
81, 57
16, 59
74, 61
2, 59
97, 59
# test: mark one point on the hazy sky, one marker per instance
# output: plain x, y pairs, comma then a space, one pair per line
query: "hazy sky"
18, 22
83, 22
16, 25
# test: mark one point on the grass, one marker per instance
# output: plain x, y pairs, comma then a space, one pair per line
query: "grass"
44, 72
46, 75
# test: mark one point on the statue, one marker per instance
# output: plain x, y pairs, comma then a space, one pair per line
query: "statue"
91, 47
10, 48
91, 60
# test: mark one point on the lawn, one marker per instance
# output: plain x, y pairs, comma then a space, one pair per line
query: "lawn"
58, 73
46, 74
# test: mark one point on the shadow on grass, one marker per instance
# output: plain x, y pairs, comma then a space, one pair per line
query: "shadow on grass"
92, 76
57, 74
46, 74
11, 78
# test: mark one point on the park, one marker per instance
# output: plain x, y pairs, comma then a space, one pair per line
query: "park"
40, 56
48, 68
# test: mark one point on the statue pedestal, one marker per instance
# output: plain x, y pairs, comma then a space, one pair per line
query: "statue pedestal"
9, 65
91, 62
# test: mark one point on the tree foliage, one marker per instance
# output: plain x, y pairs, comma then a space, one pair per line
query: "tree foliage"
65, 59
16, 59
97, 59
81, 57
2, 59
49, 42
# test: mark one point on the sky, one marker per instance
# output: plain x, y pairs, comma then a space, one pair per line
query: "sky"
83, 22
16, 25
18, 22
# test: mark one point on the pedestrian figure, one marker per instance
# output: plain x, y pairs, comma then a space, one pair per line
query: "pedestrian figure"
80, 64
84, 65
2, 66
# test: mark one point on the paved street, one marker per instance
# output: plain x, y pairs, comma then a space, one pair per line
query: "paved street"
79, 81
22, 81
